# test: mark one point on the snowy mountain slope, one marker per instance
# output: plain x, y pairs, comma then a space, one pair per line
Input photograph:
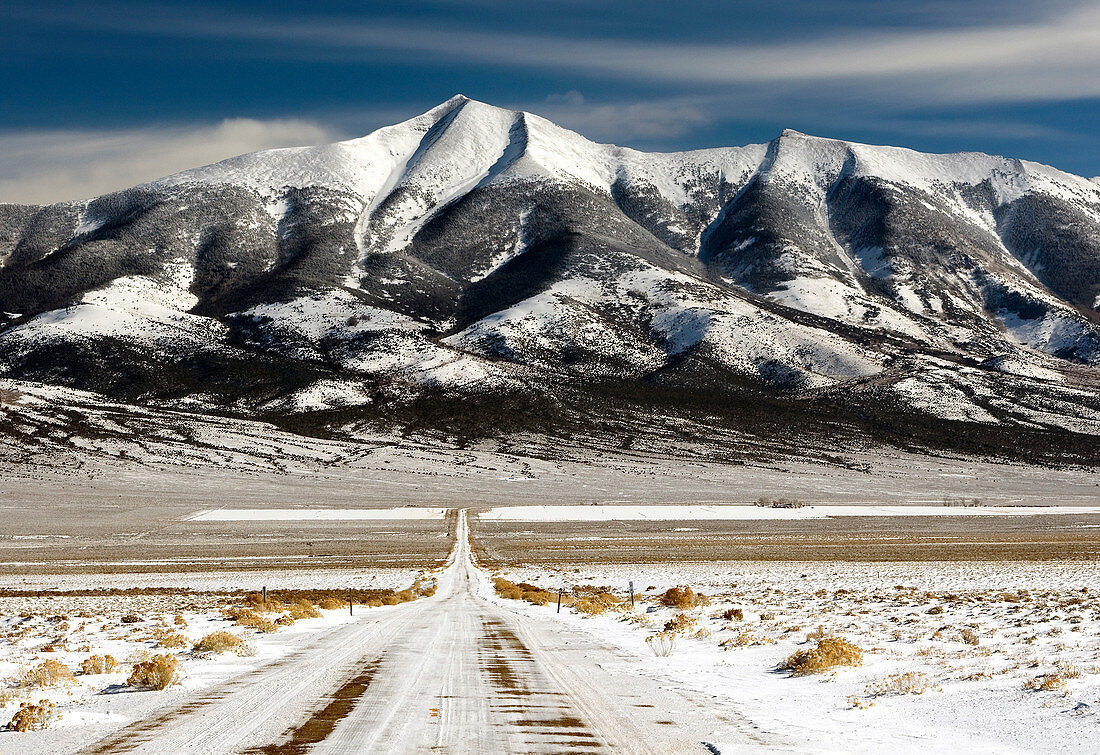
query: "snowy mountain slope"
476, 250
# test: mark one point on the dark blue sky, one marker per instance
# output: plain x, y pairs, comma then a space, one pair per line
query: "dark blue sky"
1014, 78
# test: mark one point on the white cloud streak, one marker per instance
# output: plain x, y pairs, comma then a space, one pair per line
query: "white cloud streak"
1052, 58
52, 166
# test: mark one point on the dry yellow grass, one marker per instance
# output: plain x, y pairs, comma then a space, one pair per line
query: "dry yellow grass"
681, 622
909, 683
744, 638
218, 642
522, 591
99, 664
969, 636
246, 617
33, 716
49, 673
683, 598
661, 643
1046, 683
159, 672
171, 640
829, 653
303, 609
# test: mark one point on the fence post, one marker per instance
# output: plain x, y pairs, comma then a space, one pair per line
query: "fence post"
264, 589
351, 605
560, 590
631, 593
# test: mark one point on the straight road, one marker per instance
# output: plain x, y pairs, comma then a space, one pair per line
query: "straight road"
453, 673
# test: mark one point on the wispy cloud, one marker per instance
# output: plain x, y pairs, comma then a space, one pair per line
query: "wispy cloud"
51, 166
1055, 57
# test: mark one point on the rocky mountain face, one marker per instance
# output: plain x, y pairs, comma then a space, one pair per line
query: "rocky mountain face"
477, 271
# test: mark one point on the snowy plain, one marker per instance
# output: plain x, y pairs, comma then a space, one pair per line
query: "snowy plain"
973, 636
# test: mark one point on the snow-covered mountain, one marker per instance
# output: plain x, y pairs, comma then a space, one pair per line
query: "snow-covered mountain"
475, 256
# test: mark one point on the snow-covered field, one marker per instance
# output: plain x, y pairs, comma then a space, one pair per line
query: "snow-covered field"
990, 657
611, 513
297, 515
167, 615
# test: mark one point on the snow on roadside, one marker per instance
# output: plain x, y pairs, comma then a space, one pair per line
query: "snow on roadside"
976, 635
295, 515
668, 513
69, 629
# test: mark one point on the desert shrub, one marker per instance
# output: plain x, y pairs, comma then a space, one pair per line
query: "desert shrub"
33, 716
256, 602
218, 642
99, 664
732, 614
743, 638
329, 603
159, 672
284, 621
1046, 683
1068, 670
130, 619
593, 600
830, 652
590, 606
303, 609
935, 610
522, 591
49, 673
909, 683
681, 622
180, 621
683, 598
166, 638
253, 620
969, 636
816, 634
661, 643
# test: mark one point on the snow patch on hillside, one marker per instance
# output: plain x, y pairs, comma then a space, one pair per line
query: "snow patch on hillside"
136, 308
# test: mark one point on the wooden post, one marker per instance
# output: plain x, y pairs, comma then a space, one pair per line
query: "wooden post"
264, 589
560, 590
351, 606
631, 593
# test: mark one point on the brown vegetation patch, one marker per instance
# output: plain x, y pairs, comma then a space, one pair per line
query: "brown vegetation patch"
829, 653
159, 672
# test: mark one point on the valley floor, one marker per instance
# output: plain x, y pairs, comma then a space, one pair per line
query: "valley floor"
983, 654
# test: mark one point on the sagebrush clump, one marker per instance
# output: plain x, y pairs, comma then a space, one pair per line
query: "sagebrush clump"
1046, 683
218, 642
681, 622
683, 598
99, 664
909, 683
33, 716
661, 643
246, 617
522, 591
829, 653
159, 672
49, 673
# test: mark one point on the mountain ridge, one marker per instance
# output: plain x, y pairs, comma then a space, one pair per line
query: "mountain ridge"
476, 250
